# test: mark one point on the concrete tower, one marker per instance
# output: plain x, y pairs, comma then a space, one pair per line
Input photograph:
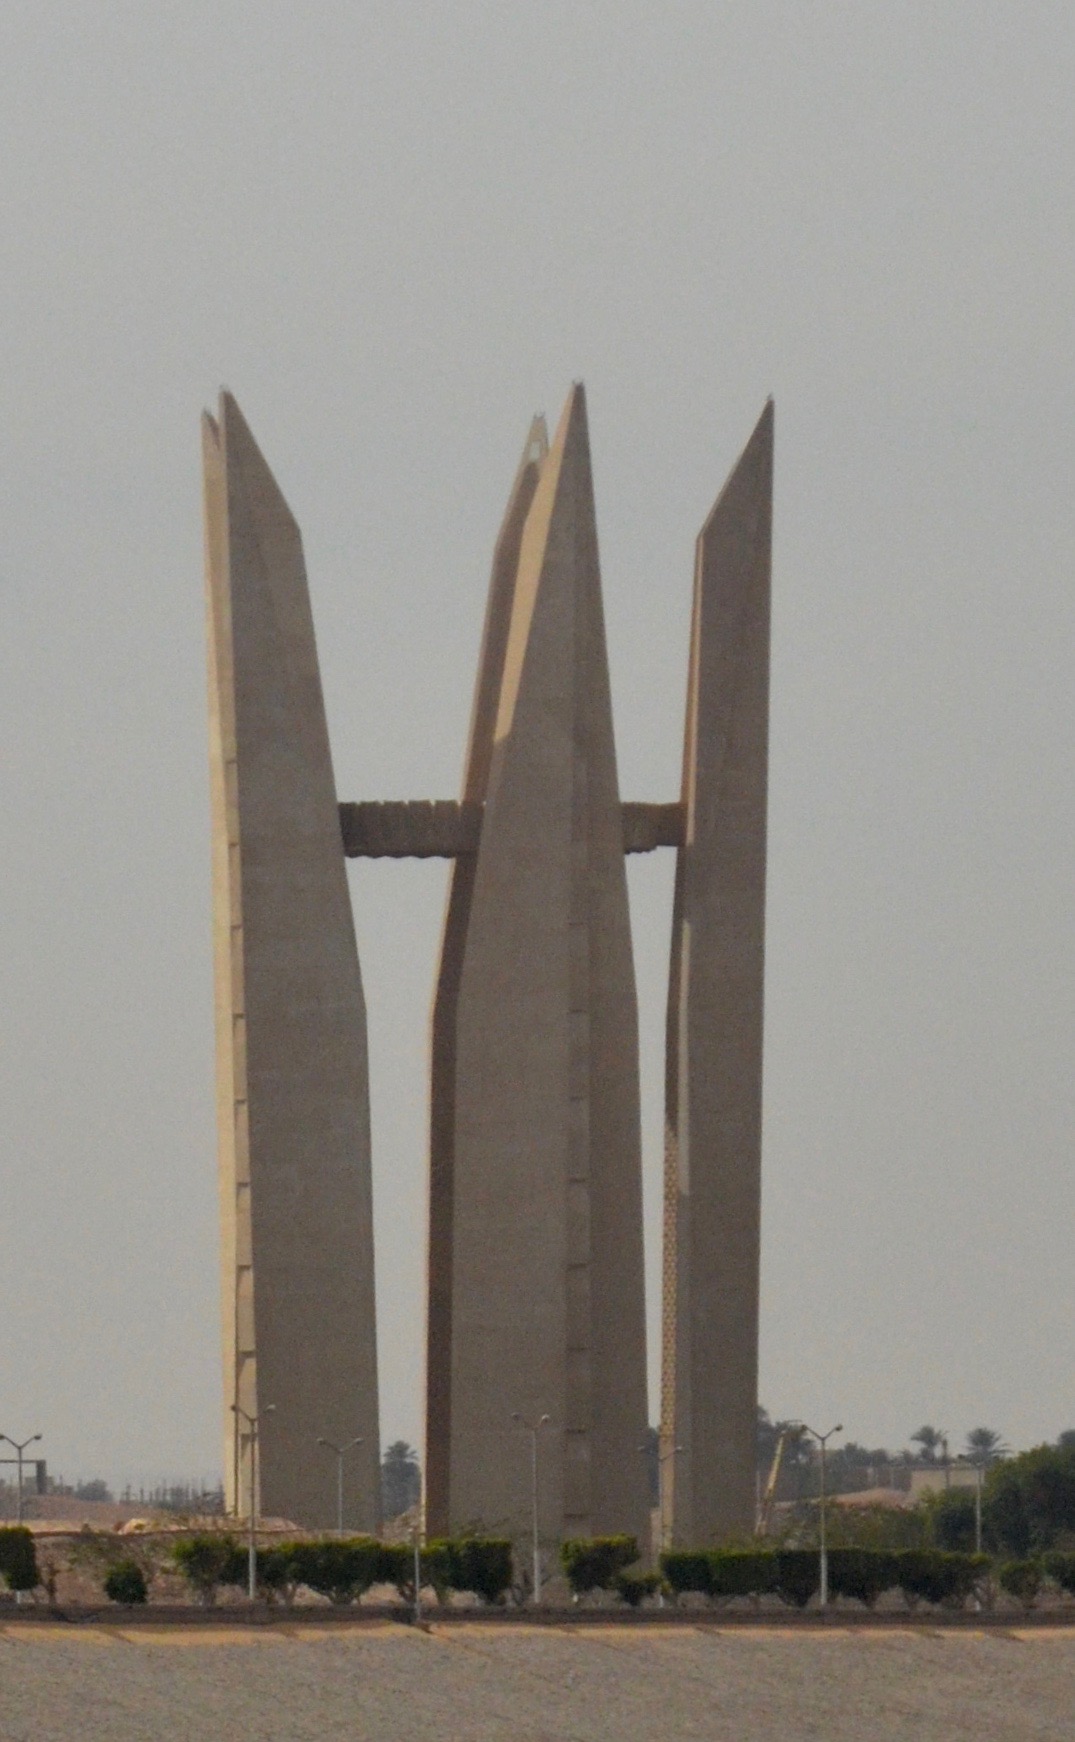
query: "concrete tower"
444, 1049
536, 1284
292, 1088
714, 1055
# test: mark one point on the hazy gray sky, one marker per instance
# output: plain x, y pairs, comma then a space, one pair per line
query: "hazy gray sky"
395, 230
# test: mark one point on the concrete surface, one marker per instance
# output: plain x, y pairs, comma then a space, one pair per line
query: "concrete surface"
534, 1685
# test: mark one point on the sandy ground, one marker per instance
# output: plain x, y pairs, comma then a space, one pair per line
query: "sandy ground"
534, 1685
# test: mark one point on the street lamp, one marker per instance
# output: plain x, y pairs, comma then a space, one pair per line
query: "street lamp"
252, 1424
341, 1453
533, 1428
19, 1450
822, 1440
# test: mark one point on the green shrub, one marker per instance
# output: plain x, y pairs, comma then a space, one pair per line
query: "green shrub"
930, 1575
798, 1575
1022, 1580
916, 1575
687, 1569
18, 1558
633, 1587
395, 1566
1030, 1500
861, 1573
125, 1582
966, 1575
276, 1571
483, 1566
207, 1561
337, 1568
952, 1520
738, 1572
591, 1563
1061, 1568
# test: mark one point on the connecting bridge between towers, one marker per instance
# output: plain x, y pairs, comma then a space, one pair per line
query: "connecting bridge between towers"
446, 828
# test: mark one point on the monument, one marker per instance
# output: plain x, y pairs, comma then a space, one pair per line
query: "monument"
712, 1202
536, 1296
292, 1085
536, 1290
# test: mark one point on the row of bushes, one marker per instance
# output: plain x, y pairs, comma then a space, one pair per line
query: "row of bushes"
343, 1569
340, 1570
794, 1575
1024, 1579
607, 1563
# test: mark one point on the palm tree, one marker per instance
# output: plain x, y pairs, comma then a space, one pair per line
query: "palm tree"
985, 1446
401, 1479
932, 1440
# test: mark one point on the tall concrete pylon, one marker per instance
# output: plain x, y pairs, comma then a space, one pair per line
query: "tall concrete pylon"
536, 1273
444, 1049
292, 1083
714, 1048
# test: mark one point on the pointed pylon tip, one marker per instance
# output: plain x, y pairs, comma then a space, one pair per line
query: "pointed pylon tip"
573, 417
537, 439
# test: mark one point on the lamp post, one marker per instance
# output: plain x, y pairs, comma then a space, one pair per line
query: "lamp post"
533, 1428
822, 1440
19, 1449
341, 1453
252, 1424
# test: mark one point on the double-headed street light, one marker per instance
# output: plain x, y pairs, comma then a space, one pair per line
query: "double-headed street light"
822, 1440
341, 1452
19, 1449
533, 1428
252, 1424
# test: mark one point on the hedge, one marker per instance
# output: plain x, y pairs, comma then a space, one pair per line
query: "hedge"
481, 1565
633, 1587
864, 1574
741, 1573
125, 1582
208, 1560
936, 1577
342, 1569
593, 1563
794, 1575
18, 1558
798, 1575
1022, 1580
1061, 1569
687, 1569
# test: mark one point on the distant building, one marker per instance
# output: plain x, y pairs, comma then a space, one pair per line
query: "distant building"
934, 1478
